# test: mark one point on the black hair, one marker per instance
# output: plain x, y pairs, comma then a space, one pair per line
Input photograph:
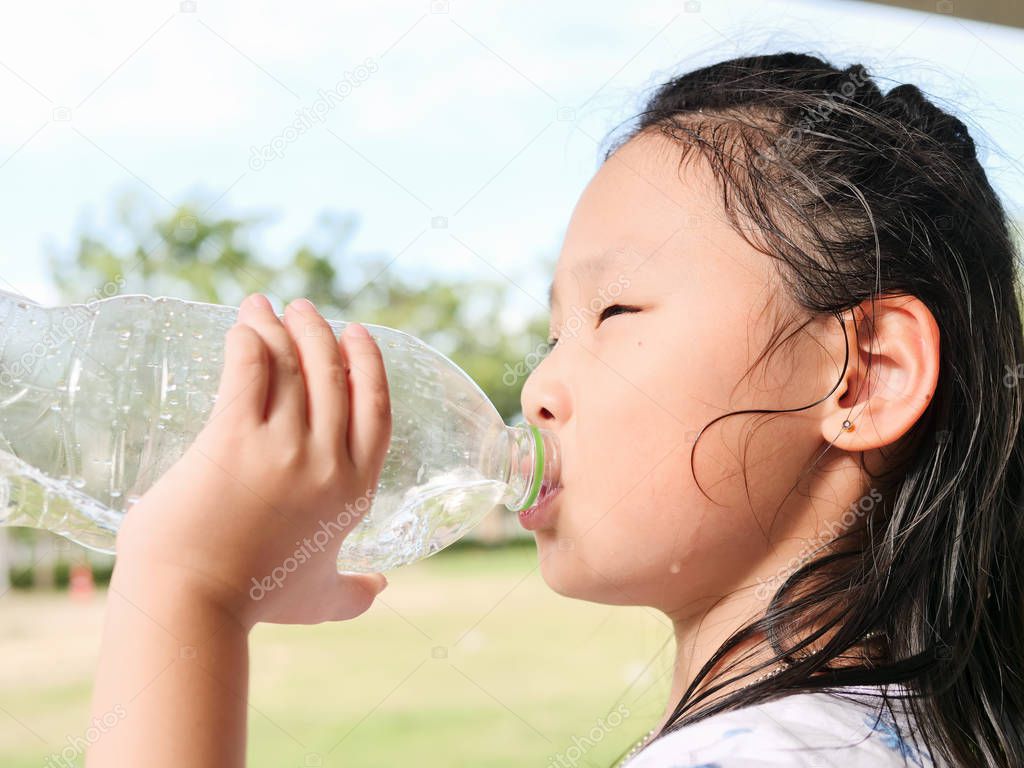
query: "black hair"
857, 194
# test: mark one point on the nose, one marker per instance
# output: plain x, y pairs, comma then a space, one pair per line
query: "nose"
546, 399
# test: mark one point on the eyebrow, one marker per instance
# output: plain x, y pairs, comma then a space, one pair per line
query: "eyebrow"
589, 267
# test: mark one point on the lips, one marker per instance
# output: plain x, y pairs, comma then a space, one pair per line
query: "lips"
541, 514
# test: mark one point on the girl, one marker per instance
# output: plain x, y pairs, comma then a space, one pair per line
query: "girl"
785, 382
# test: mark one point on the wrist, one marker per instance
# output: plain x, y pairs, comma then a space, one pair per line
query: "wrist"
178, 596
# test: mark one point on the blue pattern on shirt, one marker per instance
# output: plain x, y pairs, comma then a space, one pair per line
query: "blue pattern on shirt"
892, 739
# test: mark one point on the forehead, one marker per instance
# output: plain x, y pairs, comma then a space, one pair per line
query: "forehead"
591, 267
638, 213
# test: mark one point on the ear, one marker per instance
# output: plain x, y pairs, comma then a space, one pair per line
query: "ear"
891, 375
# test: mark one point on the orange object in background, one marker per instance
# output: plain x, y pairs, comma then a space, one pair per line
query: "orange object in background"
81, 585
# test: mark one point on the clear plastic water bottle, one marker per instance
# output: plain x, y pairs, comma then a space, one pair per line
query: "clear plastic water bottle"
98, 400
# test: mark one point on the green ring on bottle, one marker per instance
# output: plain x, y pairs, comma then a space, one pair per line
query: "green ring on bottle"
538, 467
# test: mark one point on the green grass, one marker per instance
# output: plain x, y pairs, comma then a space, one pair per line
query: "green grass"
467, 658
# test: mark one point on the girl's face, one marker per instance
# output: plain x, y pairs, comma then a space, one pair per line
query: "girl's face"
659, 308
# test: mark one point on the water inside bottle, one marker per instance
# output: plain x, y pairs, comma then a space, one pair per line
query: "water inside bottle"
427, 518
30, 497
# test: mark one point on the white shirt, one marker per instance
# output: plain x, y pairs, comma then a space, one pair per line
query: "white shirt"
804, 730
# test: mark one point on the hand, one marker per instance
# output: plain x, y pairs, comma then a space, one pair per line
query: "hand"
252, 516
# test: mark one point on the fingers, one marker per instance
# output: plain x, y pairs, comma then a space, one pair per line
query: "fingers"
323, 364
286, 398
307, 367
245, 377
369, 430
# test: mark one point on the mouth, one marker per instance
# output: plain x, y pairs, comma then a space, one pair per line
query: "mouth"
541, 514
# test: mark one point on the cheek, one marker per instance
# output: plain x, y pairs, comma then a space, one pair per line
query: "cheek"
624, 439
627, 472
636, 528
627, 419
619, 523
659, 543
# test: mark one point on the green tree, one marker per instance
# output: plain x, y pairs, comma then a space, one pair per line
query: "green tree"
191, 255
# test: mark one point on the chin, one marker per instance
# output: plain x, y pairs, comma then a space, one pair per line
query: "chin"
566, 574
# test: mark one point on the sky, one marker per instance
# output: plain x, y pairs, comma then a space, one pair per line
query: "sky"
460, 133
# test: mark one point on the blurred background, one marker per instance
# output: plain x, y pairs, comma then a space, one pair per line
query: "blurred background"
411, 164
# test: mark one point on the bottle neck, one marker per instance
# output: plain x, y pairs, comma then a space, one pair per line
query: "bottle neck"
530, 464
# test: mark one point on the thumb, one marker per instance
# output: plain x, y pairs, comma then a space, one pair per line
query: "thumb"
374, 582
355, 593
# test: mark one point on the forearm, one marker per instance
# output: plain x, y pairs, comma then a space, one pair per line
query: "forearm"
172, 677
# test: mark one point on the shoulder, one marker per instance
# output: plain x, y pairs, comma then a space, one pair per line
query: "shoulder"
802, 730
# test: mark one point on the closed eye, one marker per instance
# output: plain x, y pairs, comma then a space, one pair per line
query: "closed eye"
615, 309
609, 311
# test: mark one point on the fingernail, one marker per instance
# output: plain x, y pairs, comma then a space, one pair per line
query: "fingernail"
359, 330
259, 300
304, 305
382, 586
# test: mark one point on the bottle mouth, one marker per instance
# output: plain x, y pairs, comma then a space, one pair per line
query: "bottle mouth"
541, 466
538, 468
